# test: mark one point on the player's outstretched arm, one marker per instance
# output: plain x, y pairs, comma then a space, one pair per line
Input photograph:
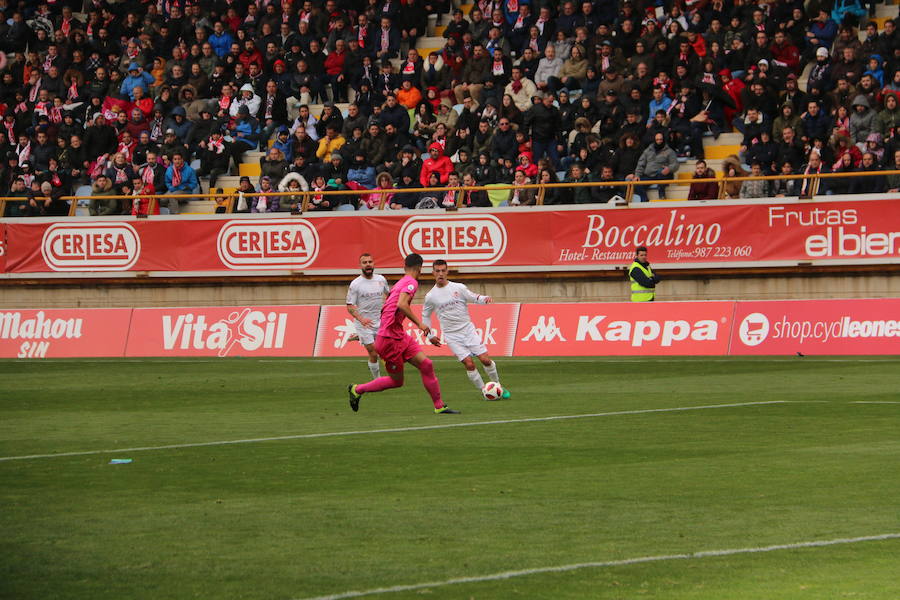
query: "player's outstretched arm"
476, 298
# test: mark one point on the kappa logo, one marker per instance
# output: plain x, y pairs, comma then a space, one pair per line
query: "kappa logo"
754, 329
545, 330
91, 247
251, 244
461, 239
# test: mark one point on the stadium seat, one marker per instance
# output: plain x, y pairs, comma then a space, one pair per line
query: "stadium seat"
249, 170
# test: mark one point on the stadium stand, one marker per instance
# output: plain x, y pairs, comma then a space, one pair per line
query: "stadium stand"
100, 99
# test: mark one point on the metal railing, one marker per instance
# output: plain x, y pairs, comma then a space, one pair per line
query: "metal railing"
228, 201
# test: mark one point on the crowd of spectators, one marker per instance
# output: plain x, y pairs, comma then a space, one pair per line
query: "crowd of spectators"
128, 97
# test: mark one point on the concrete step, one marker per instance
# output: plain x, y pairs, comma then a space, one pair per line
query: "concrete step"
724, 139
227, 181
430, 42
199, 207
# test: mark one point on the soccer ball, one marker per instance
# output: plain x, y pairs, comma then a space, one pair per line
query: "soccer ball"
492, 391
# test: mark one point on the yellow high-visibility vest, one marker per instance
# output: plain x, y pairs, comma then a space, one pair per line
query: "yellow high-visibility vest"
640, 293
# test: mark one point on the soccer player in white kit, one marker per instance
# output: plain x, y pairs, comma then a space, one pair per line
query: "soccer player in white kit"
364, 301
449, 301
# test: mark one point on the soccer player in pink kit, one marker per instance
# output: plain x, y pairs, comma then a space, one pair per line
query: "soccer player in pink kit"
395, 347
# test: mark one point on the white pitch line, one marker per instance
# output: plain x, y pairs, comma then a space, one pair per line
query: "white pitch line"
607, 564
874, 402
308, 436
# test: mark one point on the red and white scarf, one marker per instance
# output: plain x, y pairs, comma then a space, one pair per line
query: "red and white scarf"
24, 152
73, 91
148, 175
217, 146
127, 150
121, 174
176, 176
33, 92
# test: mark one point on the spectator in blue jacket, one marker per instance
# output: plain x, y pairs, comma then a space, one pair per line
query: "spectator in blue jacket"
220, 40
179, 123
137, 77
361, 171
180, 179
816, 124
245, 134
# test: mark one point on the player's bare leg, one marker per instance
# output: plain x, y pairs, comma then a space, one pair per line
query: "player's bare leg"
430, 381
490, 367
373, 361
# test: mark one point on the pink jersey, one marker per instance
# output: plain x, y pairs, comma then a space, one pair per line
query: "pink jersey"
391, 317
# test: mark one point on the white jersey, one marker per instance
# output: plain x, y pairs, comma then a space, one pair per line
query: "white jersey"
368, 296
451, 304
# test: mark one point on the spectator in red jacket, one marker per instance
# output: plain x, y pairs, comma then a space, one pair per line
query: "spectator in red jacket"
703, 190
436, 163
250, 55
785, 53
334, 71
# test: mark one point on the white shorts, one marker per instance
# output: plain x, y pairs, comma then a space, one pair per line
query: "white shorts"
366, 334
465, 343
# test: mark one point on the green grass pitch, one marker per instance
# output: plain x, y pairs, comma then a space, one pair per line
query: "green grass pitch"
313, 516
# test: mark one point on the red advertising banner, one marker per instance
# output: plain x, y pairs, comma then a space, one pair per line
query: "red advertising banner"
849, 231
784, 327
624, 328
63, 333
223, 331
495, 324
817, 327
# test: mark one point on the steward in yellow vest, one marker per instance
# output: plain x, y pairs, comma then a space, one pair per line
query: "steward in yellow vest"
643, 281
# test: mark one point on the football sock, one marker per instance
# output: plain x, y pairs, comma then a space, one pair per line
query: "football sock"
374, 369
430, 381
378, 385
475, 378
491, 371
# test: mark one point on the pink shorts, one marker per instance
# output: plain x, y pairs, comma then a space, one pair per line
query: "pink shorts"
394, 352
